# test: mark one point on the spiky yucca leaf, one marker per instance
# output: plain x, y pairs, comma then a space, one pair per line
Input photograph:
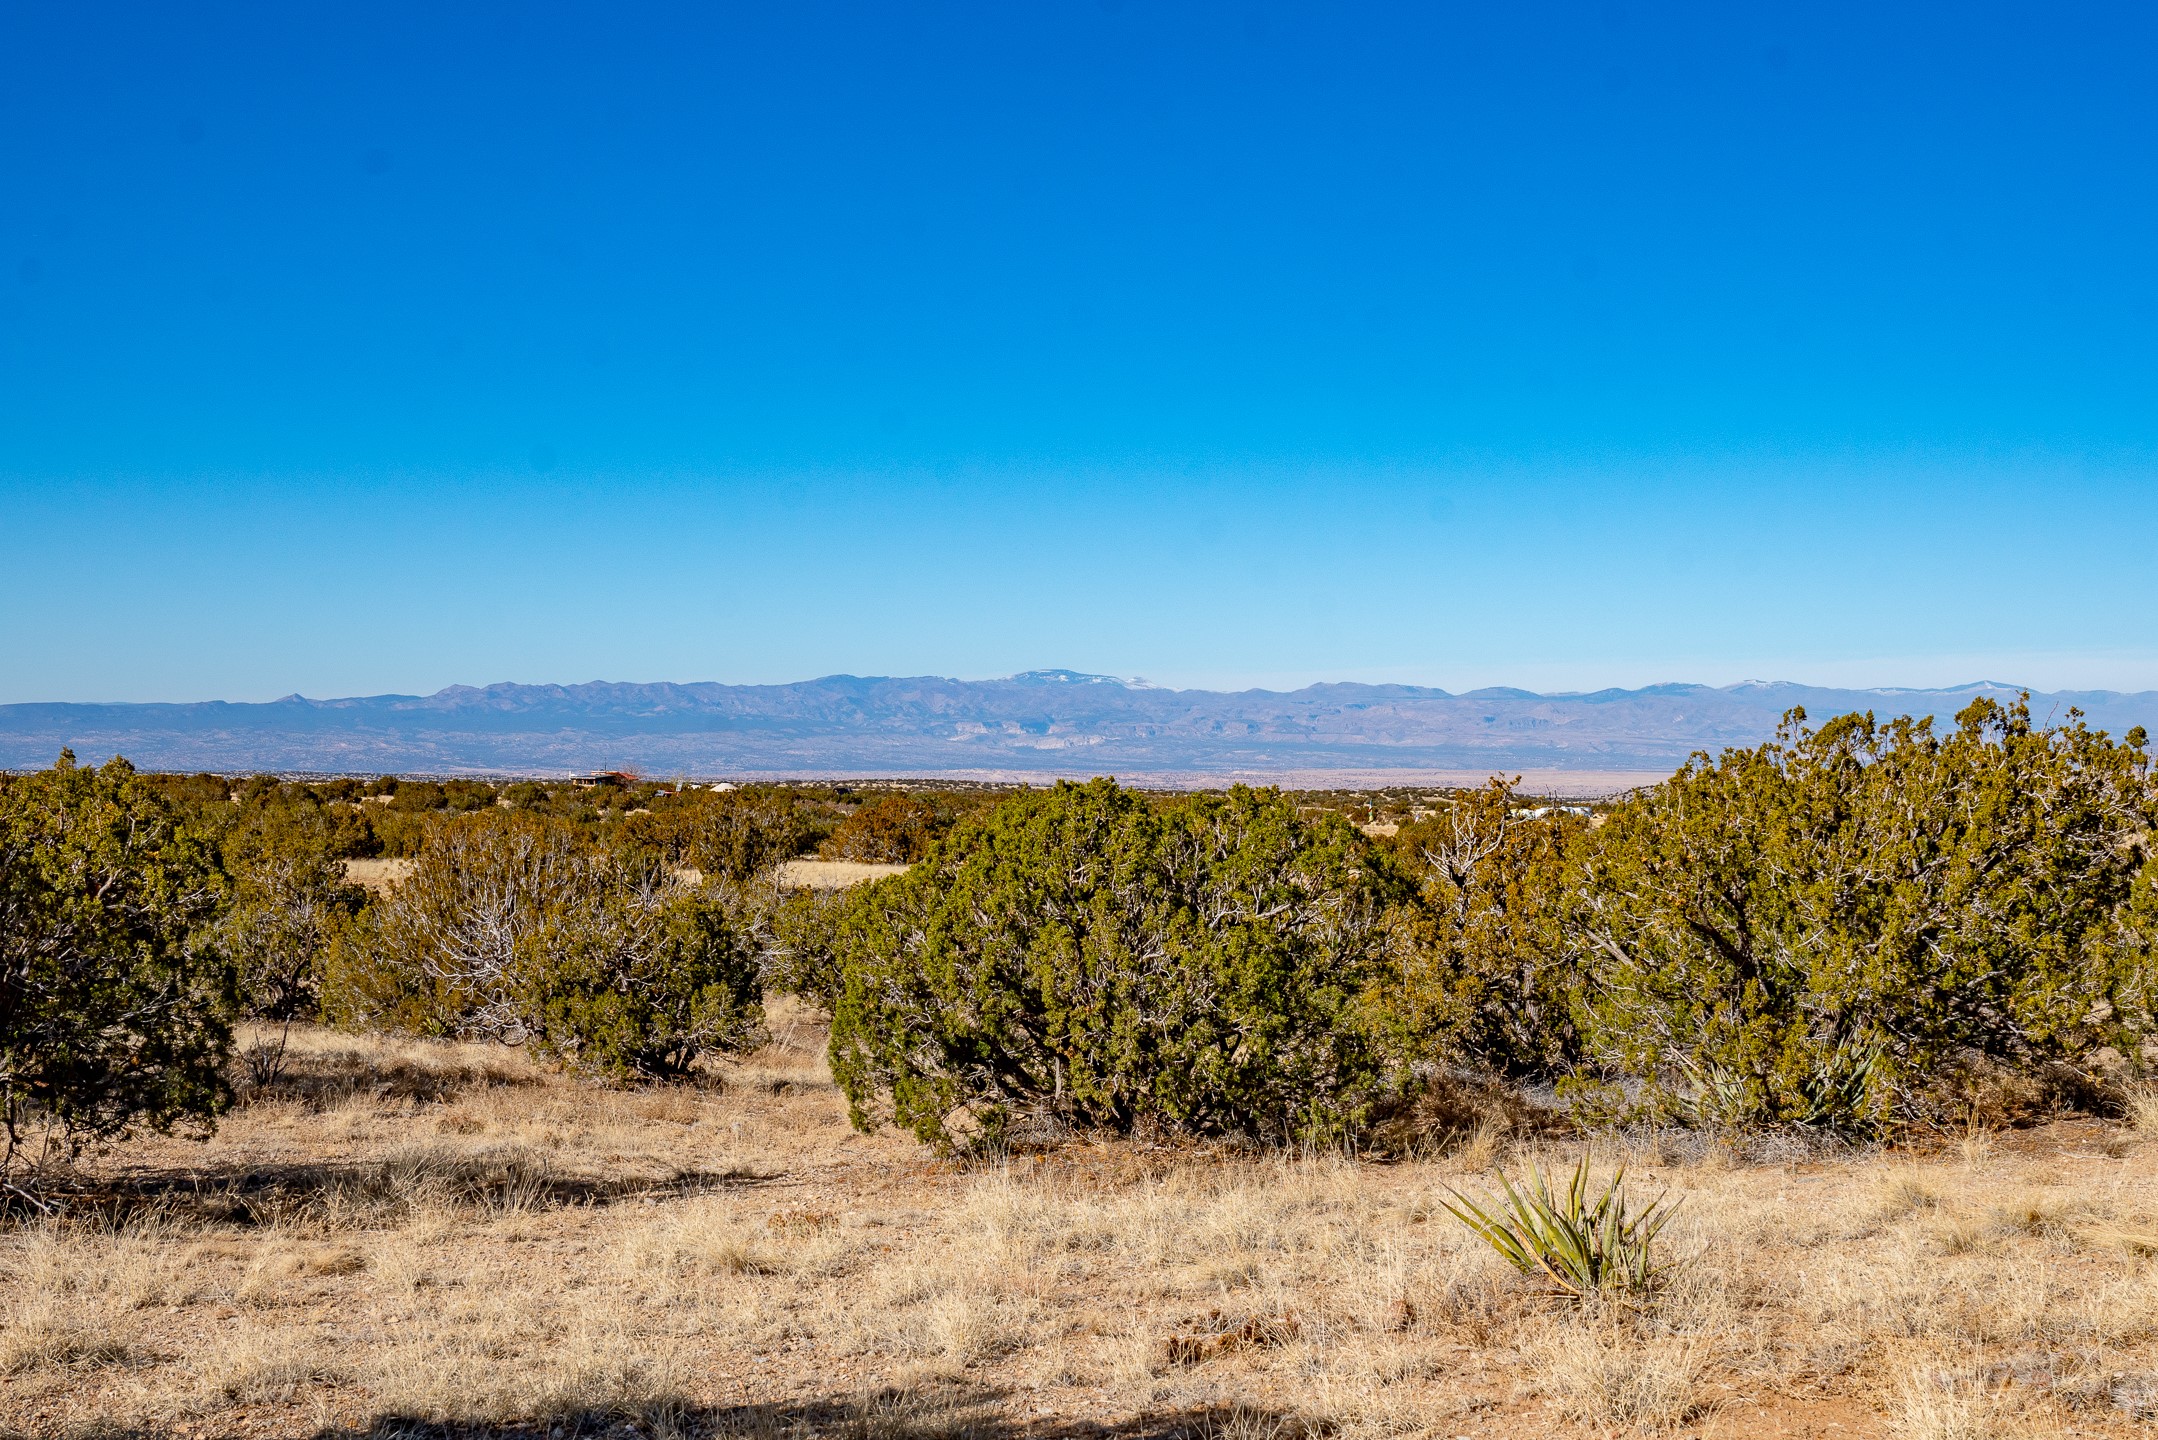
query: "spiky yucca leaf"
1586, 1247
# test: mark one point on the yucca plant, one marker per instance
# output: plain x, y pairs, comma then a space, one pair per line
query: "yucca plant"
1586, 1247
1834, 1092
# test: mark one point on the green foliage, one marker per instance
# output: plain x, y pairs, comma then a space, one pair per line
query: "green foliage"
110, 1019
455, 797
189, 794
1486, 978
802, 955
288, 901
1587, 1247
216, 806
892, 829
1802, 933
730, 835
441, 953
1081, 957
1829, 931
1833, 1091
518, 928
644, 982
400, 834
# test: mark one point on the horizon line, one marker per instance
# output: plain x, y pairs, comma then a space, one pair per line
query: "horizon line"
1051, 677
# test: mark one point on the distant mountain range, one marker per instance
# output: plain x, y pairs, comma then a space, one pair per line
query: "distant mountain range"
1045, 722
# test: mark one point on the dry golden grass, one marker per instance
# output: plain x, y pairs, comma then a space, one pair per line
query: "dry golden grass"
378, 875
833, 874
2143, 1111
398, 1235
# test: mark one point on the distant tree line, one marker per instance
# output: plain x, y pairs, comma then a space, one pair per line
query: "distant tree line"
1850, 929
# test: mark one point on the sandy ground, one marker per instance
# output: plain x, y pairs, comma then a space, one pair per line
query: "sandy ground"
833, 874
377, 875
407, 1238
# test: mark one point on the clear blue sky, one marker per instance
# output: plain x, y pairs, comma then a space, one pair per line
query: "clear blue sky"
377, 347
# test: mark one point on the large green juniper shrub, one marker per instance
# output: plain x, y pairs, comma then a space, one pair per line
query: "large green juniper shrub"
1813, 931
1486, 980
517, 927
648, 979
112, 1016
288, 901
801, 950
1081, 957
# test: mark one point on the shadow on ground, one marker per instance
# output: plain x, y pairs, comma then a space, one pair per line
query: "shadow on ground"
320, 1079
891, 1415
501, 1178
887, 1417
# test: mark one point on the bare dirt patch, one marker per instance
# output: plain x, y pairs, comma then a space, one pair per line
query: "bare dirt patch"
377, 875
833, 874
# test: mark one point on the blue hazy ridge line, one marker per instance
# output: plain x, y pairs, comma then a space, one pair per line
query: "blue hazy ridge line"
1039, 723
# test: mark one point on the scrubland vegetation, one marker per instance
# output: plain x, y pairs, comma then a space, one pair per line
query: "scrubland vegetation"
1117, 1113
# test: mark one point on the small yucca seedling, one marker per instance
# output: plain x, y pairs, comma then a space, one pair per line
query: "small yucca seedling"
1586, 1247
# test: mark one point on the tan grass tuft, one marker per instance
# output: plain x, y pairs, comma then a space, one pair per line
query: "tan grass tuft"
1483, 1150
2142, 1110
1960, 1234
711, 1237
1904, 1191
1604, 1377
281, 1265
46, 1335
1246, 1422
259, 1367
1936, 1404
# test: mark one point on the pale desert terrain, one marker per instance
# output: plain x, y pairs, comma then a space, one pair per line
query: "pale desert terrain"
405, 1238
